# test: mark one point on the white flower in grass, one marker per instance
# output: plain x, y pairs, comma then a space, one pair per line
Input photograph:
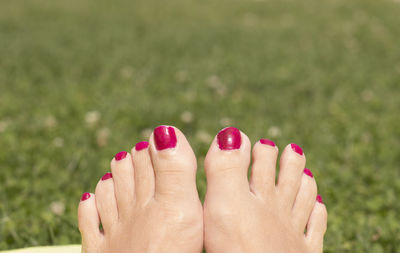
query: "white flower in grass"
274, 131
92, 118
187, 117
146, 133
126, 72
102, 137
50, 121
203, 137
215, 83
3, 125
367, 95
58, 142
57, 207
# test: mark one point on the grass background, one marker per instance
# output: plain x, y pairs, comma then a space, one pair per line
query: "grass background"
82, 80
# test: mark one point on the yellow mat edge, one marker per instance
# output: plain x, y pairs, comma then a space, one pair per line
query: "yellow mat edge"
48, 249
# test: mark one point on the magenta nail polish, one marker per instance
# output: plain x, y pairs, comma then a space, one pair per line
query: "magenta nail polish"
229, 139
164, 137
308, 172
85, 196
296, 148
267, 142
141, 145
121, 155
106, 176
319, 199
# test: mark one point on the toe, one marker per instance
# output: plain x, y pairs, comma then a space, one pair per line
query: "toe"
174, 164
123, 178
262, 180
106, 202
144, 173
227, 162
305, 200
88, 221
292, 164
316, 226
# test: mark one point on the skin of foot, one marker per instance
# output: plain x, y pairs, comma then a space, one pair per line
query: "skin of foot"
149, 203
260, 216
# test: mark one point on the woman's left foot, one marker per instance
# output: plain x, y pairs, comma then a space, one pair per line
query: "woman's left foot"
260, 216
149, 203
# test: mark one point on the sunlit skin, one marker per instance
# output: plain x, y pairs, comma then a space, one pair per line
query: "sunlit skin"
149, 203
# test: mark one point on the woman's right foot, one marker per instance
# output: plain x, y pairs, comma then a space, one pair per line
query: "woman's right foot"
149, 203
260, 216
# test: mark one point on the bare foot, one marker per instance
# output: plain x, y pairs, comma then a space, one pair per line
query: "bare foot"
260, 216
149, 203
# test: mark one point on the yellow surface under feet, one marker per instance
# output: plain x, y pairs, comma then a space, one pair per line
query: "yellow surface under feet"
49, 249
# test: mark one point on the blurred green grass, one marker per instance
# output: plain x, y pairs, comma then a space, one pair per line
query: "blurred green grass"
82, 80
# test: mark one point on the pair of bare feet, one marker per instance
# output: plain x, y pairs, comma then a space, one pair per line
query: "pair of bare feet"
150, 202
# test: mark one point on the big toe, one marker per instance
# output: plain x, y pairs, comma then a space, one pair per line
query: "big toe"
227, 163
174, 165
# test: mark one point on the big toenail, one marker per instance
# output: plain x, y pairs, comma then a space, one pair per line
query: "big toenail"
106, 176
85, 196
308, 172
319, 199
296, 148
229, 139
121, 155
164, 137
141, 145
267, 142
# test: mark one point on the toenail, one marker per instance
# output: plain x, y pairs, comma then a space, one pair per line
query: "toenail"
319, 199
106, 176
308, 172
164, 137
141, 145
229, 139
267, 142
296, 148
85, 196
121, 155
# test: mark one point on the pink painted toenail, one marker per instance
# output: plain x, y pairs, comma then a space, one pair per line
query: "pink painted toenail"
308, 172
121, 155
164, 137
141, 145
319, 199
85, 196
267, 142
229, 139
106, 176
296, 148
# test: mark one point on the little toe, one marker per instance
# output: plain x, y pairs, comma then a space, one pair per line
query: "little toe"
106, 202
227, 162
174, 164
144, 173
123, 178
292, 164
262, 180
316, 226
88, 222
305, 200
